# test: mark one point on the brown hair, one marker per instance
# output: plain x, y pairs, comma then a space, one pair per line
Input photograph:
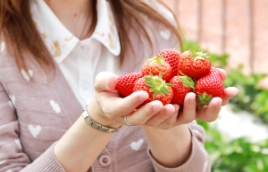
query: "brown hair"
21, 36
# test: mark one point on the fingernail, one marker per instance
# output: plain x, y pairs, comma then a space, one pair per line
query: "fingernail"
157, 108
177, 107
237, 91
141, 98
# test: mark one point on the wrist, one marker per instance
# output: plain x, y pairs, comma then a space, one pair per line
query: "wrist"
99, 116
172, 147
178, 130
171, 135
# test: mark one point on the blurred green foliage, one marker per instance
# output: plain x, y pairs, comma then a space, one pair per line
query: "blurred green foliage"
251, 97
237, 155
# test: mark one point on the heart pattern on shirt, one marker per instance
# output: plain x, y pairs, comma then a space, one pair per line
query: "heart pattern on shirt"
10, 104
55, 106
165, 34
2, 47
17, 141
3, 161
25, 75
34, 130
13, 99
136, 145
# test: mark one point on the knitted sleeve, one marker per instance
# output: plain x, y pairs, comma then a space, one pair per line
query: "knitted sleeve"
12, 157
197, 162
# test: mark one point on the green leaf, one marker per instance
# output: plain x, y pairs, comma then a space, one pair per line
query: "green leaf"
165, 90
154, 95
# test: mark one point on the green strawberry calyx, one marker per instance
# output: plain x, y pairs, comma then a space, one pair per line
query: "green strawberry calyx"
203, 99
187, 81
157, 85
158, 59
197, 55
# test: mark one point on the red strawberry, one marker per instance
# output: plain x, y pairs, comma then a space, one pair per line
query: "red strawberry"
155, 66
209, 86
125, 83
172, 57
194, 64
156, 88
181, 85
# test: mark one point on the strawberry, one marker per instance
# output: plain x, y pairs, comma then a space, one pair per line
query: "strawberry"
157, 65
156, 88
209, 86
194, 64
181, 85
125, 83
172, 57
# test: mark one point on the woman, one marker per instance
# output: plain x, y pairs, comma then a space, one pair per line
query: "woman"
58, 57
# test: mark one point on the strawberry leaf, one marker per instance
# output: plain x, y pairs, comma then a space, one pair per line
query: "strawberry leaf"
164, 90
187, 81
203, 99
154, 95
157, 85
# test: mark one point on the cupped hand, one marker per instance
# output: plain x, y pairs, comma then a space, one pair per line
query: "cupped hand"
109, 109
173, 115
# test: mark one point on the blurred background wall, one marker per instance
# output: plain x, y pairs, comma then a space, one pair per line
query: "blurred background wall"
236, 27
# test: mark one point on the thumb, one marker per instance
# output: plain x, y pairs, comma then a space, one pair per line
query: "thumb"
222, 73
105, 81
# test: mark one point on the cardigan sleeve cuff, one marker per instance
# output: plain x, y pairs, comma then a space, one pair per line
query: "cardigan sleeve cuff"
46, 162
197, 162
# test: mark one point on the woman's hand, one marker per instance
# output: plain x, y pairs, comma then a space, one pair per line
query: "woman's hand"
109, 108
172, 147
189, 111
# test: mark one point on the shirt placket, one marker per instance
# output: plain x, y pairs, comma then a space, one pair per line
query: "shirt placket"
86, 73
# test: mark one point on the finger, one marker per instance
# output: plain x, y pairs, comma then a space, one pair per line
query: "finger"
168, 110
116, 106
229, 93
105, 81
143, 114
127, 105
171, 121
189, 109
211, 112
223, 73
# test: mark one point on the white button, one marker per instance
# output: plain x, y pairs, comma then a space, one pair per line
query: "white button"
85, 85
105, 160
85, 48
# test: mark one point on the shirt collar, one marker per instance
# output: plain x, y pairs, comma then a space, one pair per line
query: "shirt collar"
61, 41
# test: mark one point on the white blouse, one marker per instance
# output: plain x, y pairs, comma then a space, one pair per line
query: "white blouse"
80, 60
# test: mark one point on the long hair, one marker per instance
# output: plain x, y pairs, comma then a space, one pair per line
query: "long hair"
22, 38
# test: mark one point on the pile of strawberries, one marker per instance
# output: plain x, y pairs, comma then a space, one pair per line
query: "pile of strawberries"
170, 75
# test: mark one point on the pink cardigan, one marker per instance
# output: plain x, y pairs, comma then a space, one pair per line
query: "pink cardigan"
30, 122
